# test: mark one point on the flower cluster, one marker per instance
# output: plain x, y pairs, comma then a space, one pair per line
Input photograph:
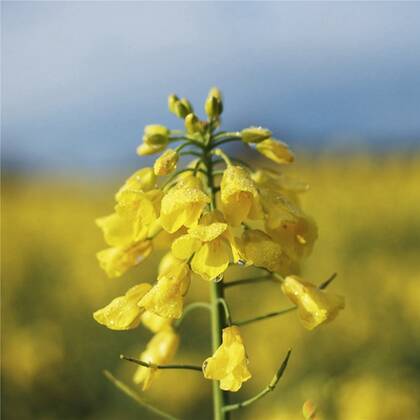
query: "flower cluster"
215, 212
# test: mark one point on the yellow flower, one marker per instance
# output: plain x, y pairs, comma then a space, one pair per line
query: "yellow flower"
275, 150
153, 322
296, 236
149, 149
229, 364
166, 298
166, 163
117, 230
116, 261
259, 249
159, 351
239, 197
315, 306
123, 313
182, 205
212, 244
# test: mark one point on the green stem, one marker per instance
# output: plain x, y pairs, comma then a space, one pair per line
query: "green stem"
266, 316
265, 391
228, 319
250, 280
218, 320
153, 366
191, 307
133, 395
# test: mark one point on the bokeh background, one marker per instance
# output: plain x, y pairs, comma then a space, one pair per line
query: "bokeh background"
340, 82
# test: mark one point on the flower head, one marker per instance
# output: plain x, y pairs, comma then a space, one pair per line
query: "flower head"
160, 350
229, 364
155, 139
123, 313
315, 306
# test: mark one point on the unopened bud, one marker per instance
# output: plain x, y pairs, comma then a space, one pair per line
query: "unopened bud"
193, 124
172, 100
214, 103
255, 134
156, 135
166, 163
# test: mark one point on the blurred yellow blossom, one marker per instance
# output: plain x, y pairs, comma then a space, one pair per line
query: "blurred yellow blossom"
275, 150
160, 350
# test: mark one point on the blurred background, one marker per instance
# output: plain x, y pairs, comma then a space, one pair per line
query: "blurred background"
339, 82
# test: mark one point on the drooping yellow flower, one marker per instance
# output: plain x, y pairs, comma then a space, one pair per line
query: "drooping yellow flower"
239, 197
166, 298
123, 313
182, 205
259, 249
116, 261
153, 322
166, 163
229, 363
212, 244
275, 150
315, 306
159, 351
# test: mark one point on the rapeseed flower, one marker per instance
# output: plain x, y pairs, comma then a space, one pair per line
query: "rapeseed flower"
229, 363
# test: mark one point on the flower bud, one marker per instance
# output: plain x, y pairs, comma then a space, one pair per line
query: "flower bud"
255, 134
172, 100
192, 124
214, 105
156, 135
180, 110
146, 149
166, 163
275, 150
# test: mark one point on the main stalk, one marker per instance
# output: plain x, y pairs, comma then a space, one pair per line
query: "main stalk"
218, 321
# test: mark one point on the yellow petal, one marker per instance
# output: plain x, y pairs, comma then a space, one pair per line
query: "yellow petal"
182, 206
123, 313
315, 306
142, 180
275, 150
209, 232
153, 322
116, 261
118, 231
185, 246
212, 259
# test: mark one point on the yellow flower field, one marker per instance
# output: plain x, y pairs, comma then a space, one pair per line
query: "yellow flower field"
364, 366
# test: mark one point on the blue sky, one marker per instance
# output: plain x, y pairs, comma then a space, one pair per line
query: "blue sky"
81, 79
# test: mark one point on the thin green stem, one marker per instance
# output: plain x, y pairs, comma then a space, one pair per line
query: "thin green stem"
153, 366
227, 140
263, 317
192, 307
222, 134
134, 396
223, 155
327, 282
224, 304
271, 386
249, 280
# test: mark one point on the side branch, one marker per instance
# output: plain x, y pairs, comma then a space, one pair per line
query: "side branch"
153, 366
191, 307
133, 395
249, 281
265, 391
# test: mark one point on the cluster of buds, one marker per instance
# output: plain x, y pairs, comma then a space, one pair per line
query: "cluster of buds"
214, 213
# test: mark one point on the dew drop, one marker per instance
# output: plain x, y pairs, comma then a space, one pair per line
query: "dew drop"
218, 278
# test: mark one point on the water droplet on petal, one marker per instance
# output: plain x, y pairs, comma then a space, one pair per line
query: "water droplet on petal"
218, 278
